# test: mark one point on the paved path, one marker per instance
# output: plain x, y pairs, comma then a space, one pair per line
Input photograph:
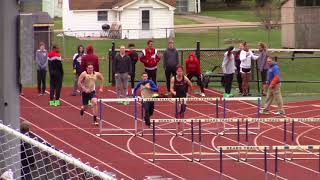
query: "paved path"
208, 22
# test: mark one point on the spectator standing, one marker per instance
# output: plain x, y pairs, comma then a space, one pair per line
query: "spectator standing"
123, 68
90, 58
274, 91
170, 62
228, 69
238, 62
56, 75
150, 59
263, 66
76, 68
194, 70
246, 56
131, 52
42, 62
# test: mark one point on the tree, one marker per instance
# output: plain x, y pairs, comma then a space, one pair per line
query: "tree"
268, 13
262, 3
232, 2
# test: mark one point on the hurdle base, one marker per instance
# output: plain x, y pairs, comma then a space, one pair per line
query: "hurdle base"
100, 135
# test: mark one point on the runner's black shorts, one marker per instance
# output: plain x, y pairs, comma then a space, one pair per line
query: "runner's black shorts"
86, 97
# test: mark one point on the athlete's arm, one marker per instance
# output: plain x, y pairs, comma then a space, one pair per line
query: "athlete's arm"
80, 80
172, 87
101, 79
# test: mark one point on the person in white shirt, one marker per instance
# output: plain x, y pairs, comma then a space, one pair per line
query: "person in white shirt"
228, 68
246, 56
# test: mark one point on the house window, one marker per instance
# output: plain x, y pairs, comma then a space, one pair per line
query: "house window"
145, 20
102, 15
181, 6
308, 2
59, 3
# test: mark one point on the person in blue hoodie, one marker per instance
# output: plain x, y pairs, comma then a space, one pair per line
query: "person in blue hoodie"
274, 91
42, 62
77, 68
148, 89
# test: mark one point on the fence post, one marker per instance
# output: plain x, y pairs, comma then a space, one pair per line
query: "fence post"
113, 53
218, 31
64, 46
181, 58
166, 33
198, 51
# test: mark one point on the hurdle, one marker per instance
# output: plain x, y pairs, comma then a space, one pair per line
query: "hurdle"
106, 130
289, 149
176, 102
221, 149
172, 159
224, 102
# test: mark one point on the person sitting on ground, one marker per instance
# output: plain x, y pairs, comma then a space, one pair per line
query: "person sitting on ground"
193, 69
179, 86
87, 84
148, 90
228, 69
274, 91
27, 156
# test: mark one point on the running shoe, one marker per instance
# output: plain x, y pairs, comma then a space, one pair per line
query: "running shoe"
57, 103
279, 113
51, 103
263, 111
202, 94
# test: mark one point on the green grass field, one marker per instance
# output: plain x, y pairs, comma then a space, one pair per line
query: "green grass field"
246, 15
182, 21
291, 70
209, 39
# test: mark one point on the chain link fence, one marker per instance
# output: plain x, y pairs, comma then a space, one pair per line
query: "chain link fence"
299, 74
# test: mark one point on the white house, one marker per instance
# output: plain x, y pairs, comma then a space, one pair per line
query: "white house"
187, 6
132, 19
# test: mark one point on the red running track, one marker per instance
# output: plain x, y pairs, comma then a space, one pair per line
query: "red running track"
127, 156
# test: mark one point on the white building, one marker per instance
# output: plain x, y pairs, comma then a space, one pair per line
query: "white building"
132, 19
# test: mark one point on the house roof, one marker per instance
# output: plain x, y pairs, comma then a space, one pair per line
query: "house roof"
105, 4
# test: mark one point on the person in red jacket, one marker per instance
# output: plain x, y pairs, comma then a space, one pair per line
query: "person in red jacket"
193, 69
89, 58
56, 75
150, 59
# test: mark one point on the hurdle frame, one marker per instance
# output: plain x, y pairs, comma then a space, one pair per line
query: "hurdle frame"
176, 103
224, 102
102, 129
